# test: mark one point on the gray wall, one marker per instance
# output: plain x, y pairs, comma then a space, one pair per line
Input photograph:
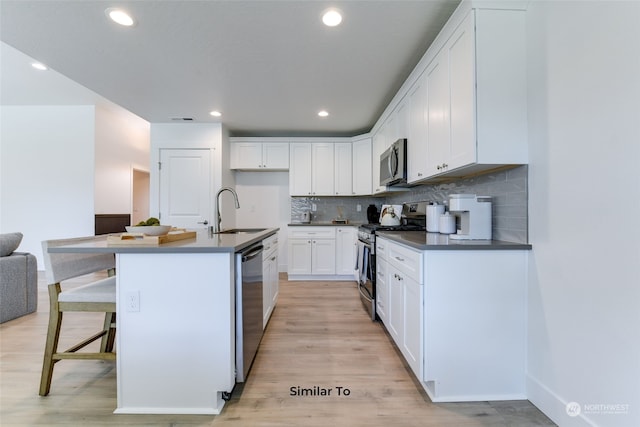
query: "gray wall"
508, 189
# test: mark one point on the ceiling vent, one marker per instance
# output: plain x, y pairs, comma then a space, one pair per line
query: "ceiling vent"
181, 119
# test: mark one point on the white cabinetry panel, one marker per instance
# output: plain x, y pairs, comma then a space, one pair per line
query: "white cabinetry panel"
343, 169
300, 169
361, 150
259, 156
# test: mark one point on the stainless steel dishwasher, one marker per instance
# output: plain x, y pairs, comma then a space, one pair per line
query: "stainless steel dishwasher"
248, 308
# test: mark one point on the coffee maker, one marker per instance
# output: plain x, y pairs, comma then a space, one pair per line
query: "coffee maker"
474, 213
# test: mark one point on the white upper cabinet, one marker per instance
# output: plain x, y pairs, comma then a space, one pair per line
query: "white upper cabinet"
312, 169
361, 156
379, 145
259, 156
322, 169
401, 128
275, 155
437, 113
417, 132
330, 168
463, 109
476, 100
343, 169
300, 169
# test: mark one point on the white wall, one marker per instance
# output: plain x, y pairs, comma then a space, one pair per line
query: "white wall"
194, 135
47, 173
122, 143
584, 189
265, 202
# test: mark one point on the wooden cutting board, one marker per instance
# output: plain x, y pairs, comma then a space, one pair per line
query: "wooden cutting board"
142, 239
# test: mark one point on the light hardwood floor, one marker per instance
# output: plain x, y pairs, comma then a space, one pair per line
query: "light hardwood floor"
318, 336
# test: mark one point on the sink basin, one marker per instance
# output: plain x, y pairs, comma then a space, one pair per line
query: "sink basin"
242, 231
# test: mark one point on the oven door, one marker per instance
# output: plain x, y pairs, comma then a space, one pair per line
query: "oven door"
366, 277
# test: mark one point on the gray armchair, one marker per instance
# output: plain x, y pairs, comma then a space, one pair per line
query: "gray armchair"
18, 279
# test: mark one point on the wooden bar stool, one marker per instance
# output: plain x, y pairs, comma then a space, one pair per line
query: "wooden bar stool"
97, 296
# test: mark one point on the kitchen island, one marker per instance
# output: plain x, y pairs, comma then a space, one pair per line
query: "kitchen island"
176, 328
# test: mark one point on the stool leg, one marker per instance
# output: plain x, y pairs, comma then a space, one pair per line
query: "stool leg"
108, 340
53, 335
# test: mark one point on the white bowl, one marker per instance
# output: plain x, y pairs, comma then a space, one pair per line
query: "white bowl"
149, 230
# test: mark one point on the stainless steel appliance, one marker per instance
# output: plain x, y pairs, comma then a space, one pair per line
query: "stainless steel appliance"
393, 164
413, 219
248, 308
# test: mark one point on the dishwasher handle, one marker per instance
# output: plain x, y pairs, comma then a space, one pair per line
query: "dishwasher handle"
252, 253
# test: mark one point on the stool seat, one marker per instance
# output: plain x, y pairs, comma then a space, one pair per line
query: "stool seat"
100, 291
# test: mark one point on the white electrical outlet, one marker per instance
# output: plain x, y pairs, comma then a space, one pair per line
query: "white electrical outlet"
133, 301
358, 207
314, 207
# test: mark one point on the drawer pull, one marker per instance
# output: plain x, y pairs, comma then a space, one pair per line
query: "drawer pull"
400, 259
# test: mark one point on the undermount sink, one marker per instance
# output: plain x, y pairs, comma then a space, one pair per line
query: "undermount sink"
241, 231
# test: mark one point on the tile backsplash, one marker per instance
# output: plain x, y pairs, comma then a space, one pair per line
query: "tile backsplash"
507, 188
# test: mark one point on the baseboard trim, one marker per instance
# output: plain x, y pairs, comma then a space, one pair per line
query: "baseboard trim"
554, 406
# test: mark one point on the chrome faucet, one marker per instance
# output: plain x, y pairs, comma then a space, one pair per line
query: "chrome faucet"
216, 224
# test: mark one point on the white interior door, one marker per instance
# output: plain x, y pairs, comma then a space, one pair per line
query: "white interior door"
185, 188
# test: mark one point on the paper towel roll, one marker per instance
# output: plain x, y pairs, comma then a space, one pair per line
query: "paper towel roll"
433, 217
447, 223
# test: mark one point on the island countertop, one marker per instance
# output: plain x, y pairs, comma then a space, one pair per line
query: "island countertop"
204, 242
435, 241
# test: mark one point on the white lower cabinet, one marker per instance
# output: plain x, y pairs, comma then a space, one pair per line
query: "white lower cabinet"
382, 288
346, 238
458, 318
322, 252
270, 280
403, 320
323, 256
312, 251
474, 325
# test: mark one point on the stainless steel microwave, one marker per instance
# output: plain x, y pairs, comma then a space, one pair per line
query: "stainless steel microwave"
393, 164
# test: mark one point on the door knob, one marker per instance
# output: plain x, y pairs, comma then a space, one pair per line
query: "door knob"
205, 222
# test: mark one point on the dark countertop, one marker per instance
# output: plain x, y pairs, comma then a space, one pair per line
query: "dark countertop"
203, 243
435, 241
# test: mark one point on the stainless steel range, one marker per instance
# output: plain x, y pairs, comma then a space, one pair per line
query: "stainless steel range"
413, 219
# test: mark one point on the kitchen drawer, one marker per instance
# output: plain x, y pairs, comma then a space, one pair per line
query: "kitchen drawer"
312, 232
381, 248
270, 246
405, 260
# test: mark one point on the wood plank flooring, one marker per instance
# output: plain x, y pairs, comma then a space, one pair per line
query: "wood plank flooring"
319, 337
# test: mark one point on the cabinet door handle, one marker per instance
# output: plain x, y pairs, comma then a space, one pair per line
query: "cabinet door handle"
400, 259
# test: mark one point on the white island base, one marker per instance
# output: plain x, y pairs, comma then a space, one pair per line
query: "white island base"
176, 332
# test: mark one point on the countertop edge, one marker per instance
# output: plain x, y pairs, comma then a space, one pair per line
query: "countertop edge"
411, 239
181, 246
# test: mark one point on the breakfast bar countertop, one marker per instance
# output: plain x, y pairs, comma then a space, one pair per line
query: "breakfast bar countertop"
205, 242
435, 241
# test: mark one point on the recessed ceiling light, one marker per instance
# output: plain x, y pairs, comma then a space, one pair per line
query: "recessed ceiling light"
39, 66
332, 17
323, 113
120, 16
216, 113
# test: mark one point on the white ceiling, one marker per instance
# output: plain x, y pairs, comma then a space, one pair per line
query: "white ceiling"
269, 66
